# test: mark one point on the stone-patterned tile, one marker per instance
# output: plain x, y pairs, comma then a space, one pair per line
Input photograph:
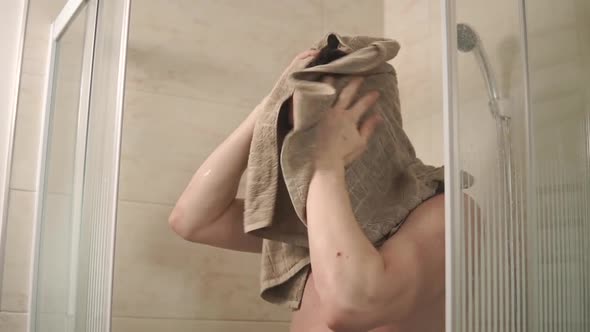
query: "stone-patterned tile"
349, 17
121, 324
55, 254
165, 140
214, 50
157, 274
13, 322
19, 241
28, 131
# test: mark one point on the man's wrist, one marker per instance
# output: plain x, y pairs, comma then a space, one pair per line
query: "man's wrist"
329, 165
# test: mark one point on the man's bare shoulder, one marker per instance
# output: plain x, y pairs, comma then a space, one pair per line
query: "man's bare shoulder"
418, 248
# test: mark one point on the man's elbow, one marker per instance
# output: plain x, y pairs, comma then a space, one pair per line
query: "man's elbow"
348, 312
367, 310
339, 324
339, 319
353, 318
178, 222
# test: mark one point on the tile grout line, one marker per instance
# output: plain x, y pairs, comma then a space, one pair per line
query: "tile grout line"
123, 200
22, 190
14, 312
199, 319
194, 99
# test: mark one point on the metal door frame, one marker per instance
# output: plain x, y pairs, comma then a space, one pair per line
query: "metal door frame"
68, 13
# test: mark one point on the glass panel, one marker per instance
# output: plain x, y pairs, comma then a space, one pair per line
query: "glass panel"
559, 64
95, 264
56, 245
489, 267
519, 255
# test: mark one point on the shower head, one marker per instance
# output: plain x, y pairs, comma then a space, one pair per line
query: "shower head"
467, 38
468, 41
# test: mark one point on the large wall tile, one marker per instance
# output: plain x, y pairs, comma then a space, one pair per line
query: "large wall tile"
215, 50
28, 132
166, 138
15, 287
157, 274
564, 47
556, 81
121, 324
55, 248
41, 14
407, 20
549, 15
53, 322
350, 17
36, 49
36, 54
32, 91
13, 322
482, 13
416, 25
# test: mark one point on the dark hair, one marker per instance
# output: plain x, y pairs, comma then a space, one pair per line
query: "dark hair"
328, 53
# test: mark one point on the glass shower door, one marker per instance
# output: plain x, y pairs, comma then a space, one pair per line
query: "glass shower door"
558, 35
517, 117
72, 283
62, 169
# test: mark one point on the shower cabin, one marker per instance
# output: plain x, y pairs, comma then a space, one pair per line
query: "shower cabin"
517, 258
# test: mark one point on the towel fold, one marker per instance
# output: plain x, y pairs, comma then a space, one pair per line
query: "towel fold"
384, 185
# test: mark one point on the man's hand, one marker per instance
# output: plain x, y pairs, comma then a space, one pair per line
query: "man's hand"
341, 137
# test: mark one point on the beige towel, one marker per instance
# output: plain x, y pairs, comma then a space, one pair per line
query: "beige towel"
385, 184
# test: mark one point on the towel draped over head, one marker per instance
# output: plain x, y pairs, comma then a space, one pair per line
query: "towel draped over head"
384, 184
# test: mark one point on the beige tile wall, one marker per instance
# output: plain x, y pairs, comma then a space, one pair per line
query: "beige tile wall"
560, 73
186, 91
12, 19
23, 183
195, 70
558, 46
158, 325
416, 25
15, 286
13, 322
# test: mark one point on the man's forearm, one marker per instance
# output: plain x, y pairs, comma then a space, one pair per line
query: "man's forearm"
344, 262
214, 185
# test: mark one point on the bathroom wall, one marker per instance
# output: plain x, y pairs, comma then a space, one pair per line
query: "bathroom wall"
186, 92
195, 70
556, 54
559, 46
23, 181
560, 73
12, 16
416, 25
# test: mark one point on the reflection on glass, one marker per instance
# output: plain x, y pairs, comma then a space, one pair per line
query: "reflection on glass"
560, 114
57, 225
520, 259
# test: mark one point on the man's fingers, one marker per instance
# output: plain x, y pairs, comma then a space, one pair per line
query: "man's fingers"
329, 80
348, 93
308, 53
366, 132
368, 127
364, 104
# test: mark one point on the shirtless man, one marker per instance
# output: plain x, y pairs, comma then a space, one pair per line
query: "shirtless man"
396, 288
